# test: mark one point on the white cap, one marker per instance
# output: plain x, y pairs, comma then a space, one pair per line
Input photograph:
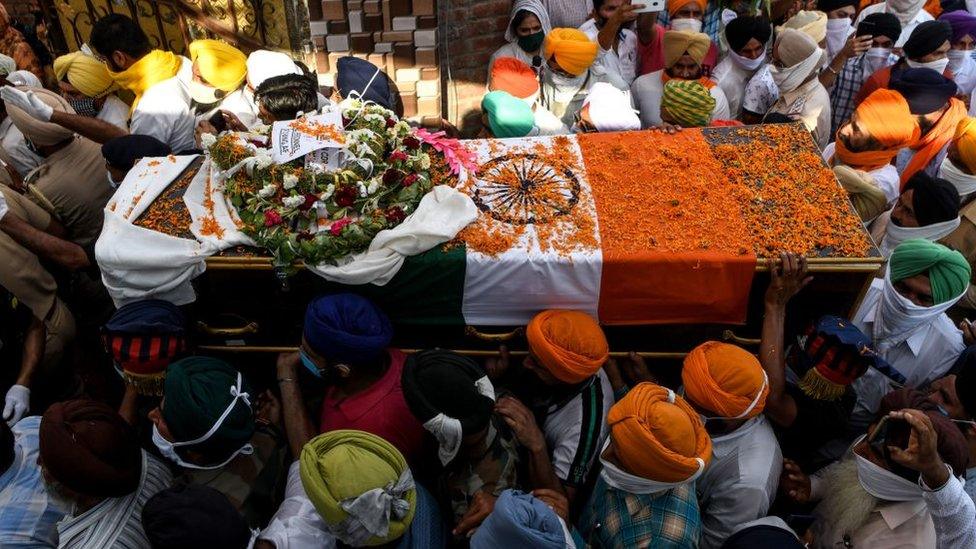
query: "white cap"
265, 64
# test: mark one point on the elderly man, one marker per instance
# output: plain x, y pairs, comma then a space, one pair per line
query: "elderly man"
869, 52
504, 115
896, 487
658, 446
617, 60
796, 63
28, 512
90, 90
747, 37
537, 520
926, 49
909, 13
453, 397
879, 128
193, 516
904, 313
683, 55
569, 55
727, 386
70, 182
930, 98
607, 109
353, 488
928, 208
91, 458
515, 77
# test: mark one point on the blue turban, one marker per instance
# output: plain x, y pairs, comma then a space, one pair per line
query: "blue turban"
925, 90
149, 316
354, 74
520, 520
347, 328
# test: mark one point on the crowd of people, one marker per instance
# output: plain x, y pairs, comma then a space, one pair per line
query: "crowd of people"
857, 432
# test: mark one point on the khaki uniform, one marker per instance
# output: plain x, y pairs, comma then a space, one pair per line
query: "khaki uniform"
963, 240
71, 184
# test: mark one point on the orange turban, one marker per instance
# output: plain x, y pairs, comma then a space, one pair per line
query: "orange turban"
886, 117
573, 50
570, 344
513, 76
678, 43
675, 5
658, 436
965, 139
725, 380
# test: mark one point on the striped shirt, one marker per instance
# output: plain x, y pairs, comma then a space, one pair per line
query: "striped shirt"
619, 519
28, 514
568, 14
575, 429
116, 523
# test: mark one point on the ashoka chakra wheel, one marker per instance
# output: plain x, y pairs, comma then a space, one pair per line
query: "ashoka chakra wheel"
522, 189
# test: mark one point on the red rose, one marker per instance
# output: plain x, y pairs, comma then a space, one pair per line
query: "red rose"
410, 179
309, 200
398, 156
272, 218
392, 177
395, 214
346, 196
390, 122
337, 226
411, 142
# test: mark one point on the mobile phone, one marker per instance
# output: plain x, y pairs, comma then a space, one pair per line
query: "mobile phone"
218, 122
650, 6
866, 28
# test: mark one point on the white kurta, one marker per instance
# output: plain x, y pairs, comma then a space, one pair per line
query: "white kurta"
885, 177
547, 123
620, 65
810, 104
906, 30
740, 482
732, 79
115, 112
646, 94
296, 524
165, 111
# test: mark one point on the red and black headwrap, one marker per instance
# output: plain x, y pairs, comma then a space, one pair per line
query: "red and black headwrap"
143, 338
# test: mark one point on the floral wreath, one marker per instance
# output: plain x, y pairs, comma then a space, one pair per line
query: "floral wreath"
304, 210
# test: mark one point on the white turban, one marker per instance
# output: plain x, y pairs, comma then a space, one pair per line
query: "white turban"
264, 64
610, 110
24, 78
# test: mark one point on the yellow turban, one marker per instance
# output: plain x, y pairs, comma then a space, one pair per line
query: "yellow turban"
810, 23
678, 43
223, 66
41, 133
965, 139
84, 72
725, 380
570, 344
658, 436
573, 50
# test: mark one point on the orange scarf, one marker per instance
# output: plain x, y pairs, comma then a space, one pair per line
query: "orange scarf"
930, 144
704, 80
866, 160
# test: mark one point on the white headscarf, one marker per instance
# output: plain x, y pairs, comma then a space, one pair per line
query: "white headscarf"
536, 7
264, 64
610, 109
24, 78
895, 317
792, 44
895, 235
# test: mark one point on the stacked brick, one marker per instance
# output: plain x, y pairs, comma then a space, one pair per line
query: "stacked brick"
399, 36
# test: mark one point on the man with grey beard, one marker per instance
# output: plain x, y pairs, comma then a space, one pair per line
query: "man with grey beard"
896, 486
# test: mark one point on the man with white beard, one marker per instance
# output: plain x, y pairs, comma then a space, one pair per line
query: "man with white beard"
898, 486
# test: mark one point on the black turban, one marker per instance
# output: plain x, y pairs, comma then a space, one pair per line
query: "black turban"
354, 75
742, 29
87, 446
828, 6
443, 382
193, 517
880, 24
966, 380
768, 536
926, 38
122, 152
925, 90
952, 445
935, 200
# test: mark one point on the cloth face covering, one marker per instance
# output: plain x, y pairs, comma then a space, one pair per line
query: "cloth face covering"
957, 59
687, 24
876, 59
883, 484
532, 42
790, 78
897, 317
838, 30
964, 183
747, 64
939, 65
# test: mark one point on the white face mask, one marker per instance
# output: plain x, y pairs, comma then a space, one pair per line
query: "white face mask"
956, 59
203, 94
112, 183
686, 24
747, 64
962, 181
168, 449
837, 32
939, 65
876, 59
883, 484
564, 88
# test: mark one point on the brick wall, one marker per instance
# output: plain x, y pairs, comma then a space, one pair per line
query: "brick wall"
436, 50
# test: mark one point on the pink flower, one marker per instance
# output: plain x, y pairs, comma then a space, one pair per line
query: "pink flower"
338, 225
398, 156
272, 218
410, 179
458, 156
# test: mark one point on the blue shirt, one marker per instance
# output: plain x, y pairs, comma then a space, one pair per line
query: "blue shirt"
427, 530
28, 514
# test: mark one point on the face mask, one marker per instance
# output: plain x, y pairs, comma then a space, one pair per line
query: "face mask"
962, 181
84, 106
688, 25
747, 64
532, 42
883, 484
837, 32
310, 364
168, 449
956, 59
564, 88
112, 183
790, 78
876, 59
939, 65
203, 94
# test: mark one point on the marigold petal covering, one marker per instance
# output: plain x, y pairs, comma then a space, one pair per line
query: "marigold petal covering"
570, 344
573, 50
725, 380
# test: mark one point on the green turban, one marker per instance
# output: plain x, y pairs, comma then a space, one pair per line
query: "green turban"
947, 269
508, 116
360, 485
688, 101
197, 392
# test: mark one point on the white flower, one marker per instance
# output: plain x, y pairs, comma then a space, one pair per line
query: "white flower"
289, 181
267, 190
374, 185
262, 159
401, 128
293, 201
207, 140
424, 162
373, 117
315, 167
328, 192
362, 188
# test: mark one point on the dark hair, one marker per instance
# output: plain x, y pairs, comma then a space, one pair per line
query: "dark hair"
597, 4
287, 95
6, 447
116, 32
519, 17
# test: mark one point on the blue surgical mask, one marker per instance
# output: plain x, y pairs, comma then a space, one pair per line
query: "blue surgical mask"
310, 364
